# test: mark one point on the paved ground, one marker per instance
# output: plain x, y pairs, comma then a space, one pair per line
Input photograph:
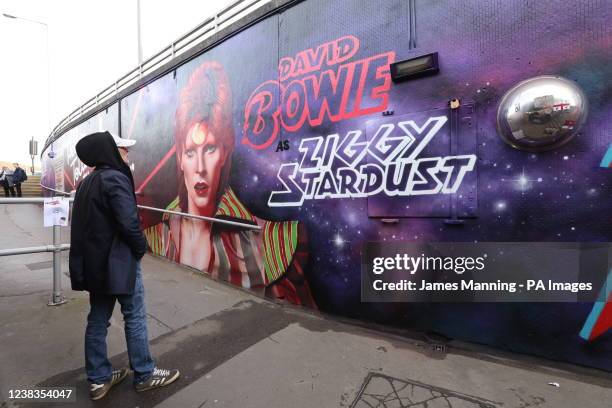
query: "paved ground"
238, 350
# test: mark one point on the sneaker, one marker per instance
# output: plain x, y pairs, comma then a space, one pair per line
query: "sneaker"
159, 378
97, 391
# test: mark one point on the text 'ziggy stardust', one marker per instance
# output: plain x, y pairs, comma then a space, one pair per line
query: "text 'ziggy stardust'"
388, 163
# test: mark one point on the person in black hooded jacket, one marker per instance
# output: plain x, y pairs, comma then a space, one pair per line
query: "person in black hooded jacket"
106, 245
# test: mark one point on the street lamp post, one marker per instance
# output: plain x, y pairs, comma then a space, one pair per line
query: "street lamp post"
13, 17
138, 16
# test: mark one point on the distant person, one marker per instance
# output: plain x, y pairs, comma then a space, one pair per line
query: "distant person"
106, 247
5, 180
19, 176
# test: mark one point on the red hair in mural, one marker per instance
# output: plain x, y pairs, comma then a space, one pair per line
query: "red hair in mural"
206, 99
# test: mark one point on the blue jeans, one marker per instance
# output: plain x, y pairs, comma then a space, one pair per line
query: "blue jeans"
99, 369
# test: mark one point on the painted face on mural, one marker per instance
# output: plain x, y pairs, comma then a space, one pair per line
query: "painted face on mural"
202, 160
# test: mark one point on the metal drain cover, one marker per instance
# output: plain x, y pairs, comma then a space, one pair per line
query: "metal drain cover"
379, 390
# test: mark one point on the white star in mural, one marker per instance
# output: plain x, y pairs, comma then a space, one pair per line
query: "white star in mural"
523, 182
339, 241
500, 206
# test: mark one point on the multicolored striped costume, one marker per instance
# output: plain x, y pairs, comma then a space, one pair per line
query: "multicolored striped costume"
272, 259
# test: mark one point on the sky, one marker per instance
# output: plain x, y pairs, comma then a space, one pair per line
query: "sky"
90, 45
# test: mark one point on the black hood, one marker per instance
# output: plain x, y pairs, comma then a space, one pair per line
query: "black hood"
99, 149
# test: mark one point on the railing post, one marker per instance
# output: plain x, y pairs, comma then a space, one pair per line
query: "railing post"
57, 297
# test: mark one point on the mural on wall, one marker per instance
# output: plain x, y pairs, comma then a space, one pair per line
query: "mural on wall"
297, 143
272, 257
62, 169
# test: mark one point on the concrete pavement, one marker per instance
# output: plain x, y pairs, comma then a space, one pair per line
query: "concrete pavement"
238, 350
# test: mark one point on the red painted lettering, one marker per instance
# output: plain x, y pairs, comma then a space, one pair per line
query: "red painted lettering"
342, 91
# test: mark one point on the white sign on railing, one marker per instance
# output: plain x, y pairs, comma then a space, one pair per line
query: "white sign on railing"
56, 211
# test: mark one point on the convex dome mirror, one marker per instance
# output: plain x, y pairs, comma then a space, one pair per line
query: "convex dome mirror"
541, 113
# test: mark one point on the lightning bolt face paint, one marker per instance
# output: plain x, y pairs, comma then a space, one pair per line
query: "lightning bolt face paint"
198, 133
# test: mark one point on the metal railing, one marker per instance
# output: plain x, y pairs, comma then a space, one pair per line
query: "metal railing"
55, 191
206, 29
57, 298
181, 214
201, 217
